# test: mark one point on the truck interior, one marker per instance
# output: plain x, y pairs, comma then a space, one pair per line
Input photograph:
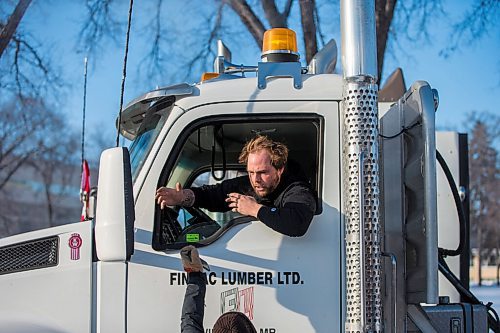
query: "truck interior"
207, 153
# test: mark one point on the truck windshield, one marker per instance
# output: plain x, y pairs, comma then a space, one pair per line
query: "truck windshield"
149, 130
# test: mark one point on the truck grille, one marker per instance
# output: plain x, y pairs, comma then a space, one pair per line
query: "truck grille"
30, 255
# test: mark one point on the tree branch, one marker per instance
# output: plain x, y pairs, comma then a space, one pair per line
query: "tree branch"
201, 57
249, 19
273, 16
10, 173
29, 72
384, 13
153, 60
473, 25
10, 28
309, 28
99, 24
318, 25
287, 10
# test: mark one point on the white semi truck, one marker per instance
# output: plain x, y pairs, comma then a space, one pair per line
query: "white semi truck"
369, 261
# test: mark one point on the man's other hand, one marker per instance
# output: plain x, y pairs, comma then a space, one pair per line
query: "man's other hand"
243, 204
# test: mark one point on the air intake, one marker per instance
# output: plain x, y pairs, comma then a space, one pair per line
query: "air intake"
40, 253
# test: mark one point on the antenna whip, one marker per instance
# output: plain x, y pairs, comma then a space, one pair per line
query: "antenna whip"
85, 184
84, 107
124, 72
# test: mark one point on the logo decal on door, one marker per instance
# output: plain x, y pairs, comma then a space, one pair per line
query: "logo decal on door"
238, 300
75, 242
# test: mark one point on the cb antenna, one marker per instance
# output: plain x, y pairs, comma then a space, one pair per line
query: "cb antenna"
85, 61
85, 184
124, 72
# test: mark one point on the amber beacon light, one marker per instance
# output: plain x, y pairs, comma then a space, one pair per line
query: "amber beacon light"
279, 45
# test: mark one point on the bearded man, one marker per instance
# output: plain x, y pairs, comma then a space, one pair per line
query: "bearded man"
270, 193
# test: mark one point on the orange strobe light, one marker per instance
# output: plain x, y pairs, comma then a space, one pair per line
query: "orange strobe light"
279, 45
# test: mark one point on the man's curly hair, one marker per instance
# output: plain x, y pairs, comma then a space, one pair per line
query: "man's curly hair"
277, 150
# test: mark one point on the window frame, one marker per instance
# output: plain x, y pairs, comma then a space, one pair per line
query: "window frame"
222, 120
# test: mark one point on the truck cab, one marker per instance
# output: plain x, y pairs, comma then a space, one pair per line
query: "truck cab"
254, 269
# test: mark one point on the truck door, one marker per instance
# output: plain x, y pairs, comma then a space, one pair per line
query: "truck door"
283, 284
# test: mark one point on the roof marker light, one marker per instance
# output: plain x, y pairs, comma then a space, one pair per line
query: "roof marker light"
208, 76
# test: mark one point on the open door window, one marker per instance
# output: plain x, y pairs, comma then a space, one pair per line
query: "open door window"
207, 153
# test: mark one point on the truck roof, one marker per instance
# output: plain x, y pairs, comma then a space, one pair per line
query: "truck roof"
231, 88
315, 87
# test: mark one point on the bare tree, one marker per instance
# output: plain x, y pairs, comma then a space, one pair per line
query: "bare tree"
475, 23
25, 68
484, 183
27, 71
395, 20
20, 138
7, 31
33, 135
56, 166
101, 25
28, 128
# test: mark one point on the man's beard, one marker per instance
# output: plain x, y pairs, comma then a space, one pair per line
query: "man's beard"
266, 190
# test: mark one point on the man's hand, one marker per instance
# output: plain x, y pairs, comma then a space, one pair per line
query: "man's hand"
243, 204
174, 197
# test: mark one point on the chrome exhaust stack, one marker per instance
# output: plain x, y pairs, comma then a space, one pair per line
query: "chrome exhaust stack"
361, 167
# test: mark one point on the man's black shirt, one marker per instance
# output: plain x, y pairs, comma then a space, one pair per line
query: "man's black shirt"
289, 209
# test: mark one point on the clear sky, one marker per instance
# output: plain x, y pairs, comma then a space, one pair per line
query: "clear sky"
467, 80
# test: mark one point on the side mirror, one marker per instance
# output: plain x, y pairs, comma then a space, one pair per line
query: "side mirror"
115, 215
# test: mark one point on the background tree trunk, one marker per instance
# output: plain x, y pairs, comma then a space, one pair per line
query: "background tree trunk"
384, 13
10, 28
309, 28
